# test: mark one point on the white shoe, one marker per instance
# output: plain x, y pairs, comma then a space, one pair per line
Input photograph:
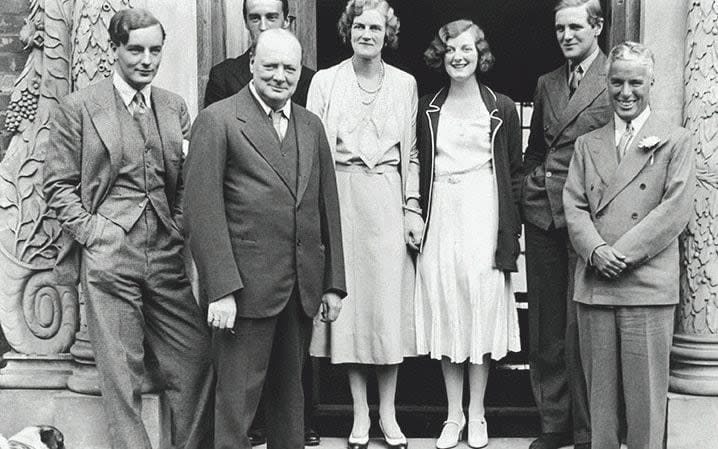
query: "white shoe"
451, 433
478, 435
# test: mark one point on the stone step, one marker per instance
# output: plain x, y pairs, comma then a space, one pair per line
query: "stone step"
429, 443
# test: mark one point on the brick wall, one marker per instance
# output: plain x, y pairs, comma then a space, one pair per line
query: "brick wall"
12, 56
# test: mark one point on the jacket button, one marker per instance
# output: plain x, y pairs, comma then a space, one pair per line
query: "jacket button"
634, 215
591, 187
549, 174
552, 149
299, 243
546, 127
642, 186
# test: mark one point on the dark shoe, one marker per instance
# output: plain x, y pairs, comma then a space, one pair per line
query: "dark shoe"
582, 446
554, 440
311, 438
257, 437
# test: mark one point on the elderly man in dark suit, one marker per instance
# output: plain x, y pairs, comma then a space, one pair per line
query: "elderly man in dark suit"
113, 176
628, 197
263, 219
569, 101
226, 79
230, 76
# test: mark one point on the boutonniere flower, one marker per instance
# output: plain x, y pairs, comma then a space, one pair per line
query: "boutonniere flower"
650, 143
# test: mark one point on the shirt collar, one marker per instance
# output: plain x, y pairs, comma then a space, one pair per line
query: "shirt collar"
585, 64
127, 92
286, 109
637, 123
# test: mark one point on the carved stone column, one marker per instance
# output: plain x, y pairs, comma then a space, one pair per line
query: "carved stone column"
38, 311
694, 357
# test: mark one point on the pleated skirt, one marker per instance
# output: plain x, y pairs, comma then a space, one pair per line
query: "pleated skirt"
465, 307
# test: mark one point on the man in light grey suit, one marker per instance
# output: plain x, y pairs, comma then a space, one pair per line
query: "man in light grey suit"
627, 198
113, 176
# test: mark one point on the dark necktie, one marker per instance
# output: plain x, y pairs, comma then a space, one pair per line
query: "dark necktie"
575, 80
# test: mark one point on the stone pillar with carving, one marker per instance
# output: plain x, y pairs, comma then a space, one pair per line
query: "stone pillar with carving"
694, 357
38, 311
40, 314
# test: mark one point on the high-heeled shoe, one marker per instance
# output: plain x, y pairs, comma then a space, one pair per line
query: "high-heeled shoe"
451, 433
478, 435
396, 442
358, 443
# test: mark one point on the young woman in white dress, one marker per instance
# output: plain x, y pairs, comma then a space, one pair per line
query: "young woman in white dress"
469, 141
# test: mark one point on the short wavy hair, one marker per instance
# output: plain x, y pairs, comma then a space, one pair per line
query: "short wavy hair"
593, 9
632, 51
355, 8
434, 55
126, 20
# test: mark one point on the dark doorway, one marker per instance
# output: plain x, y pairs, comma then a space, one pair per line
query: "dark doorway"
520, 33
522, 39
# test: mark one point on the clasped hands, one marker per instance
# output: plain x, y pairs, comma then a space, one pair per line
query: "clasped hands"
222, 313
413, 224
609, 262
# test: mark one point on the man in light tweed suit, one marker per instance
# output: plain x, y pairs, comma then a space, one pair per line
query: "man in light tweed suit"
628, 196
113, 175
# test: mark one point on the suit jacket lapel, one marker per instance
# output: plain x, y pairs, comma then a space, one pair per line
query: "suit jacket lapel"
557, 86
592, 85
103, 111
633, 162
306, 149
261, 135
433, 113
166, 123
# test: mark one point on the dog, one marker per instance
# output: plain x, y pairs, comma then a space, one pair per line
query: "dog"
35, 437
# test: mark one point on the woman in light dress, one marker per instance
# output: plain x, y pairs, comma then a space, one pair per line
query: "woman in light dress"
469, 141
369, 111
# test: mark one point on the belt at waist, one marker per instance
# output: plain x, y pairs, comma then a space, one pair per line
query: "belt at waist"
377, 170
455, 177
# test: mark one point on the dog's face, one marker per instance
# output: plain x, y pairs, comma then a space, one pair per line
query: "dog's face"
38, 437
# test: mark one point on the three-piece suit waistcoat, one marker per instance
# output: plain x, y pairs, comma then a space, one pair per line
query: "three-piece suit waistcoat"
141, 177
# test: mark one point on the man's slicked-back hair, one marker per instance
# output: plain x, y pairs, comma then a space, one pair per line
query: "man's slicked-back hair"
631, 51
285, 8
130, 19
593, 8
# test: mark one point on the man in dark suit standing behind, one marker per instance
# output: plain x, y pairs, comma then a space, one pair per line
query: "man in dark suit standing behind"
230, 76
113, 176
568, 102
262, 216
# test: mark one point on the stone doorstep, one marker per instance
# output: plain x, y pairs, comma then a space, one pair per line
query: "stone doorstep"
691, 422
79, 417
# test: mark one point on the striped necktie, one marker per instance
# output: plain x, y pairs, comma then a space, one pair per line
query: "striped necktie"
575, 80
624, 142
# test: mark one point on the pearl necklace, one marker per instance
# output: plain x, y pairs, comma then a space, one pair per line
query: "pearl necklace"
374, 92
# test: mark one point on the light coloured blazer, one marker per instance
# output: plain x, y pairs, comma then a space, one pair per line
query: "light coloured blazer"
639, 207
330, 85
